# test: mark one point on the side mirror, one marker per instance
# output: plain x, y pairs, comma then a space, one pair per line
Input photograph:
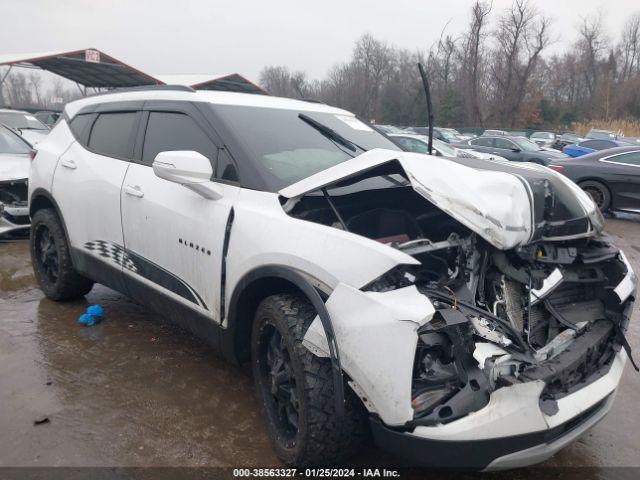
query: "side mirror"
188, 168
516, 150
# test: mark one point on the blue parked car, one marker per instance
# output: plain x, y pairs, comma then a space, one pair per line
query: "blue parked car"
590, 146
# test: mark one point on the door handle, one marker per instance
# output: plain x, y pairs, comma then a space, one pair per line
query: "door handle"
134, 191
69, 164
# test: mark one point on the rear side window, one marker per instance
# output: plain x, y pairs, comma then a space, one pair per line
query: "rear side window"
597, 144
112, 134
631, 158
174, 131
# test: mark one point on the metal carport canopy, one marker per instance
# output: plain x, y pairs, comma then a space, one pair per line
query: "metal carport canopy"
89, 67
228, 82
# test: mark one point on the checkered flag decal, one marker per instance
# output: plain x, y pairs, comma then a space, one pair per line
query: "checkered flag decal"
113, 252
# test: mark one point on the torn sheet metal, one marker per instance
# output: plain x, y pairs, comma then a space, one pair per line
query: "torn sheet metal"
628, 284
376, 336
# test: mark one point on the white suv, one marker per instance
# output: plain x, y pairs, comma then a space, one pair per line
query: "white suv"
466, 313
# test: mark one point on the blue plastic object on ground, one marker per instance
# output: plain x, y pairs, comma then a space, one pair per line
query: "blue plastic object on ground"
93, 315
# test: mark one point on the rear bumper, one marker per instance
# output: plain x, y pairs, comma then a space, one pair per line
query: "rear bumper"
509, 432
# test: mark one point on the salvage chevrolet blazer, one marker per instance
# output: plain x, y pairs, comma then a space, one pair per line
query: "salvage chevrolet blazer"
465, 313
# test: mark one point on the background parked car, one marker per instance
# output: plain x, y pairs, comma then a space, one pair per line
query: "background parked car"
517, 149
420, 144
611, 177
567, 138
590, 146
15, 160
446, 135
544, 139
602, 134
32, 129
49, 118
494, 132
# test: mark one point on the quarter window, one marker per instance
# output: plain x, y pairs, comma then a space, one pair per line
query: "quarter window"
174, 131
112, 134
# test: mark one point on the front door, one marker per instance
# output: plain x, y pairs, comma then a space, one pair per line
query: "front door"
173, 236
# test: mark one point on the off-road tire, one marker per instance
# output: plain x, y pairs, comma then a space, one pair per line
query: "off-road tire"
598, 192
321, 438
68, 283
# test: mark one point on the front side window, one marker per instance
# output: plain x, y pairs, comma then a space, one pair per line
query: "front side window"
112, 134
285, 148
10, 143
482, 142
504, 144
413, 145
168, 131
526, 145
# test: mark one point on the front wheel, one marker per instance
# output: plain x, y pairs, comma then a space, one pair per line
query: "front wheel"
51, 259
295, 388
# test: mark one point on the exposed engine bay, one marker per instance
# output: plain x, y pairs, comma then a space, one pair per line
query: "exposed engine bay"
549, 310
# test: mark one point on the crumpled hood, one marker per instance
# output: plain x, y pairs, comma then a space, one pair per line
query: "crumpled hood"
494, 199
14, 167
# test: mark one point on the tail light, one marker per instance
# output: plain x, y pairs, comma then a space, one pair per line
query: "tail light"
557, 168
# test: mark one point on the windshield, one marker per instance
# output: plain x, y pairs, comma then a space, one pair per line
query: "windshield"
600, 135
450, 135
22, 121
542, 135
526, 145
287, 148
12, 143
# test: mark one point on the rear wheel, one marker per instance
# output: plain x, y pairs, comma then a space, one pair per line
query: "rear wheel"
295, 388
598, 192
52, 261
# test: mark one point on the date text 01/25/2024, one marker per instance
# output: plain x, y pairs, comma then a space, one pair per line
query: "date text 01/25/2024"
315, 472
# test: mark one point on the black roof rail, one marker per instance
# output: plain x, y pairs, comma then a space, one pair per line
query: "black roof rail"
143, 88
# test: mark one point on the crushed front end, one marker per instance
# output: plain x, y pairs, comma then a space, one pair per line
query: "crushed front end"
502, 337
523, 353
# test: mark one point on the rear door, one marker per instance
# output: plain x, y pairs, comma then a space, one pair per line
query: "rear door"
622, 173
174, 236
482, 144
87, 184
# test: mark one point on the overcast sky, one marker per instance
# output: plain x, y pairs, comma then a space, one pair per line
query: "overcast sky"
211, 36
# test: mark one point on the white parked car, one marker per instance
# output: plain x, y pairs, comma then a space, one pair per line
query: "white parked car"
420, 144
27, 125
15, 160
469, 316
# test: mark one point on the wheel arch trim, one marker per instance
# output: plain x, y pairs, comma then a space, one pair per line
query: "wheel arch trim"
302, 283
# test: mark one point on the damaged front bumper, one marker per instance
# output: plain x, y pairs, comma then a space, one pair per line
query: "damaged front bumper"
13, 218
510, 431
